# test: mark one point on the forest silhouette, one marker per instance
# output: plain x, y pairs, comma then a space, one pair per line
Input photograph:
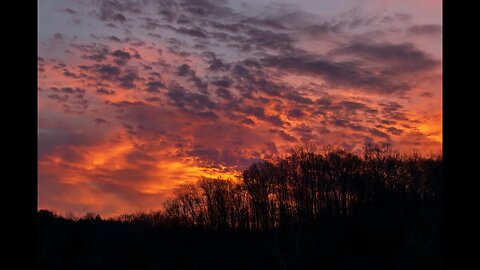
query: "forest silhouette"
310, 209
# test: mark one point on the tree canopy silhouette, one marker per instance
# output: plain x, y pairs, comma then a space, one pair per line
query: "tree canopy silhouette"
307, 210
307, 186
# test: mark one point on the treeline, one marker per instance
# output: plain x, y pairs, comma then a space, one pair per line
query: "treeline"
308, 210
308, 185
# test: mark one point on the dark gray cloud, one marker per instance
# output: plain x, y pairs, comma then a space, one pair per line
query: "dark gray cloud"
397, 58
275, 120
58, 36
302, 129
200, 84
113, 9
286, 136
97, 56
121, 57
395, 130
352, 106
268, 87
58, 97
127, 104
240, 72
100, 121
379, 133
124, 78
425, 29
271, 23
128, 78
258, 112
185, 99
114, 39
223, 82
69, 10
426, 94
343, 74
208, 115
107, 71
318, 30
68, 90
216, 64
235, 27
52, 138
151, 24
185, 70
397, 17
69, 74
103, 91
266, 39
248, 121
206, 8
153, 99
69, 154
393, 111
224, 93
96, 51
295, 113
354, 74
341, 122
194, 32
296, 97
154, 86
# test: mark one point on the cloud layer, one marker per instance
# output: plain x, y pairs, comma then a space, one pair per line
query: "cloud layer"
136, 97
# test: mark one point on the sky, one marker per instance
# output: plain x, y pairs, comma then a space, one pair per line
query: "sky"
138, 97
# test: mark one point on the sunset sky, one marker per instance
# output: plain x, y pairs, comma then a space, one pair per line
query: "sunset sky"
137, 97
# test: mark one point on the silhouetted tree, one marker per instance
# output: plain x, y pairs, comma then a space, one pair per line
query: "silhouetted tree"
308, 210
306, 186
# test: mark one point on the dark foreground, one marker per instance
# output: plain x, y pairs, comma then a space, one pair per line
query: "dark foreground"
336, 243
308, 210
